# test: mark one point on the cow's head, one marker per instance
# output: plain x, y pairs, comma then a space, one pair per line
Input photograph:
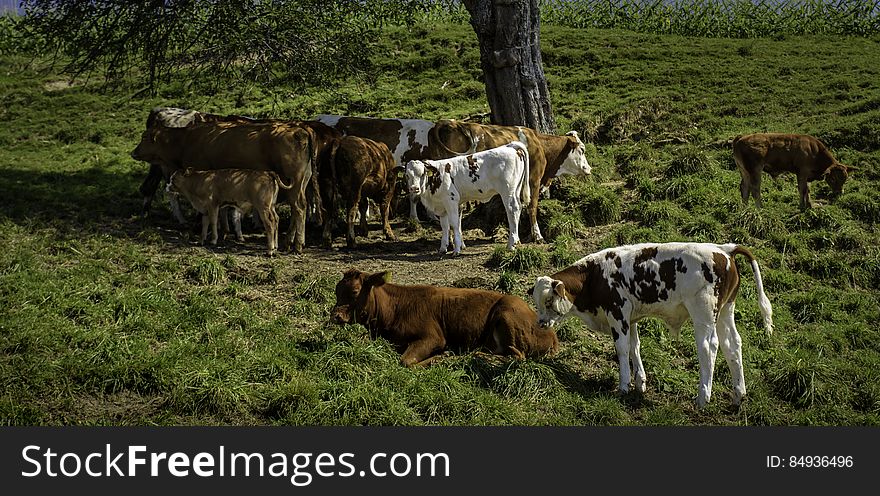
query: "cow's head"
175, 182
353, 293
575, 161
551, 301
418, 176
149, 149
835, 176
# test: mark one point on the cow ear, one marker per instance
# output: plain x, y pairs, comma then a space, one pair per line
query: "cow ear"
379, 278
398, 170
559, 288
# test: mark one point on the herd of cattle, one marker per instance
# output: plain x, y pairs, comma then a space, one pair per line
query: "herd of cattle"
340, 162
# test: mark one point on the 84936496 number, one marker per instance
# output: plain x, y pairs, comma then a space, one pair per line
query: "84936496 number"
817, 461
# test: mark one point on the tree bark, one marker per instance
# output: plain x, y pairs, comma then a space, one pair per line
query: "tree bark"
510, 54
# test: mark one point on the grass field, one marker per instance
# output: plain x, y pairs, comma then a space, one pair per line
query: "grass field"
106, 318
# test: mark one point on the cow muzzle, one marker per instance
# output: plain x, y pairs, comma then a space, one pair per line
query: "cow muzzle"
415, 190
545, 323
340, 316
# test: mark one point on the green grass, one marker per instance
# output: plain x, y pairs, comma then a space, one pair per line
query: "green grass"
109, 319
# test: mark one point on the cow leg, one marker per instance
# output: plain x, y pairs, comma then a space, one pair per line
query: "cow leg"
455, 217
621, 335
385, 209
444, 229
619, 321
413, 211
270, 223
364, 211
755, 186
206, 221
296, 238
174, 202
224, 221
514, 210
149, 186
635, 356
701, 311
420, 350
236, 223
744, 189
213, 213
533, 217
731, 346
804, 190
351, 215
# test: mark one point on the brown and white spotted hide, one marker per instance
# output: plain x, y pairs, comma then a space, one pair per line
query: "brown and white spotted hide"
444, 185
358, 170
550, 155
775, 153
424, 321
612, 290
244, 190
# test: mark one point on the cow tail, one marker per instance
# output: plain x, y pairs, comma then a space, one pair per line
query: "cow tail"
280, 182
314, 181
763, 301
525, 190
434, 135
331, 160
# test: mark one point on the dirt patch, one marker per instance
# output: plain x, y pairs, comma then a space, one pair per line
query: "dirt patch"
58, 85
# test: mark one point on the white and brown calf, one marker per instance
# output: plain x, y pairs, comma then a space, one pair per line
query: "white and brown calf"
613, 289
241, 189
443, 185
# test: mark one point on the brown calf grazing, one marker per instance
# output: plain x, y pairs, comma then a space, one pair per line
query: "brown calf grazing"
241, 188
357, 170
422, 321
776, 153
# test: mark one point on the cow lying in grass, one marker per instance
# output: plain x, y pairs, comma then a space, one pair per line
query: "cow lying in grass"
443, 185
422, 321
775, 153
243, 189
613, 289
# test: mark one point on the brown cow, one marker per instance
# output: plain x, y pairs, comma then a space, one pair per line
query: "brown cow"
422, 321
174, 117
358, 169
777, 153
284, 148
550, 156
244, 189
171, 117
407, 139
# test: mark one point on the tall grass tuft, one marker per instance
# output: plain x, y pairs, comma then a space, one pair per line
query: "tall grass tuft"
523, 260
207, 271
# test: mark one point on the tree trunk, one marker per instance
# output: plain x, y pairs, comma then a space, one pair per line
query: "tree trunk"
510, 54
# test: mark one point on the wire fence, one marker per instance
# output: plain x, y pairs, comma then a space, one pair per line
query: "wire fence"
710, 18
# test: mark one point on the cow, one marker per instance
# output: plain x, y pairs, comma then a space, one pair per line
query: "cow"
243, 189
281, 147
172, 117
422, 321
776, 153
357, 169
611, 290
443, 185
407, 139
550, 155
